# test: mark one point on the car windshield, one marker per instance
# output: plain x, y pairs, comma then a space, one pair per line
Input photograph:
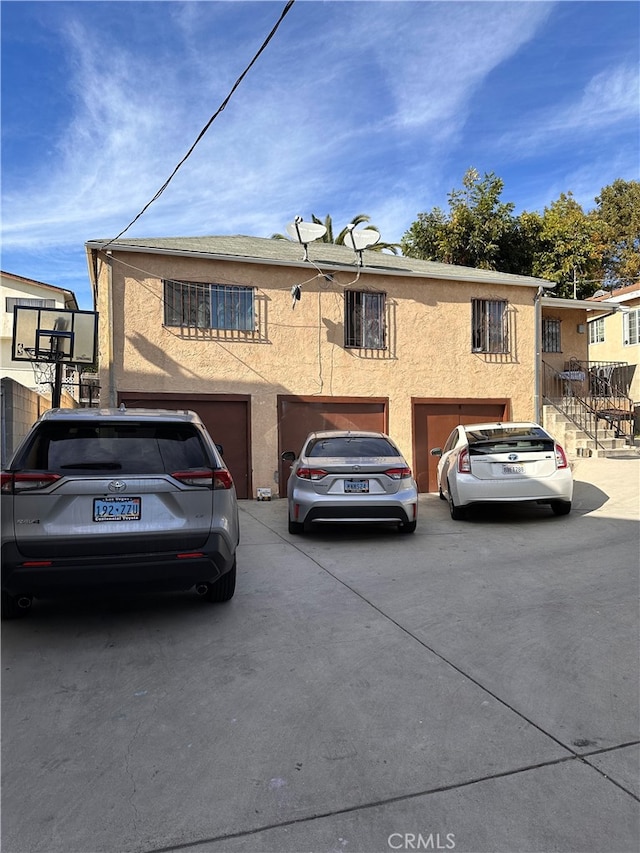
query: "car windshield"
128, 448
350, 446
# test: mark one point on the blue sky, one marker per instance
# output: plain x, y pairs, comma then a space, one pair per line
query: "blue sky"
355, 107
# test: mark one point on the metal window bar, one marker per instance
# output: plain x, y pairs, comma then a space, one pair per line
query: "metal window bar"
209, 306
489, 329
551, 335
365, 326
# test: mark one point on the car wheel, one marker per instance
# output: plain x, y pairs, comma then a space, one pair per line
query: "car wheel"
295, 527
458, 513
15, 606
441, 494
223, 589
561, 507
408, 527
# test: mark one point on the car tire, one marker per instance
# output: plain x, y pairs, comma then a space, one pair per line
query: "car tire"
10, 607
223, 589
458, 513
561, 507
295, 527
441, 494
408, 527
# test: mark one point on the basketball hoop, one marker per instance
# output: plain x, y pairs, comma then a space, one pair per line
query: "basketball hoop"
43, 371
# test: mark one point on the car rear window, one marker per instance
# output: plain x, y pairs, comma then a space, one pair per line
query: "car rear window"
348, 446
128, 448
501, 440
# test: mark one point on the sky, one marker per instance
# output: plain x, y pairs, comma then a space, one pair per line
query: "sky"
354, 107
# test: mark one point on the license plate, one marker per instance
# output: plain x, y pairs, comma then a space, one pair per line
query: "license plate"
116, 509
513, 469
360, 486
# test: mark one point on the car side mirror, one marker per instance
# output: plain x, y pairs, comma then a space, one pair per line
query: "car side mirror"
436, 451
220, 449
288, 456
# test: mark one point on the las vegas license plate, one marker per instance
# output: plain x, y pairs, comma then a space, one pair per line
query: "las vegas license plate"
116, 509
358, 486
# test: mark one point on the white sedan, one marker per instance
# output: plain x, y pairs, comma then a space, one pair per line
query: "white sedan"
503, 463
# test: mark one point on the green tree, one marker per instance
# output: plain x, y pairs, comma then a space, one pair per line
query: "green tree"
570, 249
618, 215
478, 231
329, 237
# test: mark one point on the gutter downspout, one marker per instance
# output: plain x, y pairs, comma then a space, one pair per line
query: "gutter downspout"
537, 402
111, 380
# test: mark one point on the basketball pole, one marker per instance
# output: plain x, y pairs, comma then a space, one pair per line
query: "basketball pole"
56, 389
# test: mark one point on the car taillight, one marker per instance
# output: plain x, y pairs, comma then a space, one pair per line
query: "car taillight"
464, 463
219, 479
398, 473
311, 473
18, 482
561, 457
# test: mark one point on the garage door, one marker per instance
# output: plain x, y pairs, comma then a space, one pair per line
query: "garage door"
226, 416
433, 421
298, 416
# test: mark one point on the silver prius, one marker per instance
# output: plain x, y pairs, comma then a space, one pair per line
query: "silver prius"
503, 463
350, 476
99, 500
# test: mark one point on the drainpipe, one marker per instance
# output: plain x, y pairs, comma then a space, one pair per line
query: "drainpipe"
112, 382
537, 401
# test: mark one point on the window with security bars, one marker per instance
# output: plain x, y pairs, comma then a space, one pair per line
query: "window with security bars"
364, 325
27, 302
209, 306
489, 326
596, 331
631, 327
551, 335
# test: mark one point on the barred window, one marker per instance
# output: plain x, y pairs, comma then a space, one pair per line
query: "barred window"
364, 324
596, 331
551, 335
631, 327
27, 302
209, 306
489, 328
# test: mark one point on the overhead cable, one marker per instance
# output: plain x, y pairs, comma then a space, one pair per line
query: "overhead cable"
207, 125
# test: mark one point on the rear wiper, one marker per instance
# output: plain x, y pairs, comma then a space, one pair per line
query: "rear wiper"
96, 466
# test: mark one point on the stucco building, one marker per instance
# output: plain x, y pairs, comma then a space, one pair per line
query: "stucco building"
267, 340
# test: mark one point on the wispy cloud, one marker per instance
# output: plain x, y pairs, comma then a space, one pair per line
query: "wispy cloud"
607, 102
361, 107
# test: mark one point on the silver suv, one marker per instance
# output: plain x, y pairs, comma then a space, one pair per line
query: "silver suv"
114, 500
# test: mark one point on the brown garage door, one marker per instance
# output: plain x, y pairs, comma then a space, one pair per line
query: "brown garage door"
298, 416
433, 421
226, 416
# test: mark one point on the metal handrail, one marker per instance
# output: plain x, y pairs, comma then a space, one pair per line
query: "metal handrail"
587, 393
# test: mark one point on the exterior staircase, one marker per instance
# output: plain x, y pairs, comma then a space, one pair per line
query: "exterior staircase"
587, 408
576, 441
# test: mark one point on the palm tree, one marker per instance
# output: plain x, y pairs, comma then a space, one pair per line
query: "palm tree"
394, 248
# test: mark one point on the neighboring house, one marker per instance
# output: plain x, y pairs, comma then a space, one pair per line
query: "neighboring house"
405, 346
615, 336
17, 290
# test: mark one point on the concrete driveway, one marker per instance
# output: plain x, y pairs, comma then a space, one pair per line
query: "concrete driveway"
473, 687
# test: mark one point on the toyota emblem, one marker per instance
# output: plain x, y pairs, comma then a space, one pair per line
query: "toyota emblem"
513, 457
117, 486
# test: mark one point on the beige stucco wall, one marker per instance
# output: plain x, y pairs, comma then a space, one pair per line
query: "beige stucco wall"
613, 348
302, 352
574, 336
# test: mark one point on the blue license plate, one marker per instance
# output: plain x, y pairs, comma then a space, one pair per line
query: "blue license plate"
117, 509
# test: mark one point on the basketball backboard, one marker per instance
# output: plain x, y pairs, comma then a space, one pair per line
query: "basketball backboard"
54, 335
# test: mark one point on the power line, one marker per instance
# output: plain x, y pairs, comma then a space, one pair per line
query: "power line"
207, 125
